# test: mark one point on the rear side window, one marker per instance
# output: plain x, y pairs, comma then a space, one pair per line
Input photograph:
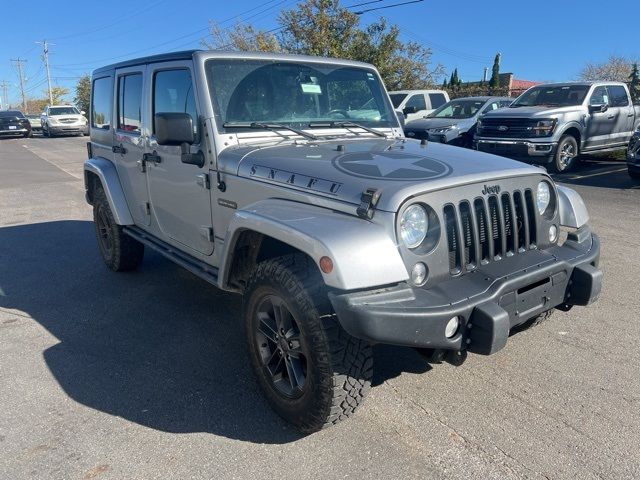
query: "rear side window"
101, 103
619, 97
173, 92
129, 103
437, 100
417, 101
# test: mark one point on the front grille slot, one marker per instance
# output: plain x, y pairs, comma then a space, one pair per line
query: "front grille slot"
488, 230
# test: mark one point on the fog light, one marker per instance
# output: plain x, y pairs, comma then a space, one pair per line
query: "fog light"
452, 327
553, 233
419, 274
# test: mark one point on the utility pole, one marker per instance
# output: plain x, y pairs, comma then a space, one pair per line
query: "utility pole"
484, 77
19, 62
45, 57
5, 97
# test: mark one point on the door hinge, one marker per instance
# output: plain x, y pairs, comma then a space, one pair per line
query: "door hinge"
147, 208
204, 181
368, 201
142, 165
207, 232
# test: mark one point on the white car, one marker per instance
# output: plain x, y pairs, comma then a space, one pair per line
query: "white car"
63, 120
415, 104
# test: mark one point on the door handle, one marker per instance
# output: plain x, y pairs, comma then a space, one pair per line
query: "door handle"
611, 117
630, 115
119, 149
152, 157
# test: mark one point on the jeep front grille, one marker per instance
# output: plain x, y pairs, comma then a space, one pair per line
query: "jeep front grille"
490, 229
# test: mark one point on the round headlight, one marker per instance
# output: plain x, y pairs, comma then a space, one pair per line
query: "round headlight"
413, 226
543, 197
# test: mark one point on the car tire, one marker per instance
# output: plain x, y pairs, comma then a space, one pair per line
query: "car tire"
566, 154
29, 134
119, 251
312, 372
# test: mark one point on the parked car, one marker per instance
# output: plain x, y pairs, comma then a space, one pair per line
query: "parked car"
14, 123
63, 120
416, 104
455, 121
246, 169
553, 124
633, 156
34, 121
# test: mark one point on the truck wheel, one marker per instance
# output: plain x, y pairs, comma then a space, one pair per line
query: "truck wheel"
119, 251
566, 154
313, 373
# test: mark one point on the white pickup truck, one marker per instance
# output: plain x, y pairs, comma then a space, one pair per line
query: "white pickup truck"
415, 104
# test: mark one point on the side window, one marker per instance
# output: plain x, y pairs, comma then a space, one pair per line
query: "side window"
619, 97
129, 103
437, 100
505, 103
599, 96
417, 101
100, 103
173, 92
491, 106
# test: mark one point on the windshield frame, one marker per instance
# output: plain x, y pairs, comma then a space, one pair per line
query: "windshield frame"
583, 86
391, 122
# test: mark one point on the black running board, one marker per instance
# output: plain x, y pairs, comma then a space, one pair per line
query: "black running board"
192, 264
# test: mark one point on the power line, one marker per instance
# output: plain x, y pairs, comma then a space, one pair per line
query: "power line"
387, 6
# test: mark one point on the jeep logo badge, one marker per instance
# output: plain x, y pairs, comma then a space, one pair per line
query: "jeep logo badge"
491, 189
503, 128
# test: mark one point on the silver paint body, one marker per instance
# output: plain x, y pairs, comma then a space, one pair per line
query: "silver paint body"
304, 193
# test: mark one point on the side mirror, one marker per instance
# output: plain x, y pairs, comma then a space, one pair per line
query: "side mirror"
173, 128
408, 110
599, 108
82, 112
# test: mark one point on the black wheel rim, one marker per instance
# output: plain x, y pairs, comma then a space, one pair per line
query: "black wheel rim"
105, 234
280, 348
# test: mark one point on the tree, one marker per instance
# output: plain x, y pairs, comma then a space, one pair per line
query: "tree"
494, 83
634, 83
615, 69
57, 94
444, 84
324, 28
240, 37
83, 93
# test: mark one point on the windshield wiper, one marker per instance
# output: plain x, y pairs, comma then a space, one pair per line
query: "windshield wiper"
270, 126
346, 124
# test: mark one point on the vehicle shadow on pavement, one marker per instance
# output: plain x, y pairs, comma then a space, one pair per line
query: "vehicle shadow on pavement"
603, 174
158, 347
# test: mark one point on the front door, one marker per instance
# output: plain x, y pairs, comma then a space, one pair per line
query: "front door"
600, 124
418, 106
129, 140
180, 198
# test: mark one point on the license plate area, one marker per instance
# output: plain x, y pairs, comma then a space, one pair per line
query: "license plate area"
12, 127
529, 300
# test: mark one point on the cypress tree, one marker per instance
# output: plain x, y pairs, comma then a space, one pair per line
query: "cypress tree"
494, 83
634, 83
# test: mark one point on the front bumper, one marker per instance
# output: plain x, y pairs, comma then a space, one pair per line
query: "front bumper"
17, 131
67, 129
532, 152
488, 302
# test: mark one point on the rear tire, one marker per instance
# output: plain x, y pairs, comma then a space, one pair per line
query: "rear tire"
312, 372
566, 154
119, 251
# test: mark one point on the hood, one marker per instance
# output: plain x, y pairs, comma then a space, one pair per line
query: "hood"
529, 112
343, 169
426, 123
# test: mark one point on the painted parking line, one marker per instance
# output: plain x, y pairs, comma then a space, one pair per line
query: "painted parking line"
578, 177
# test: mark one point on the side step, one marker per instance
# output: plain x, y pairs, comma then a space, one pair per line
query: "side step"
195, 266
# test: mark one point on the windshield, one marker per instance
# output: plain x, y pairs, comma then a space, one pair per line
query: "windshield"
11, 113
397, 98
552, 96
63, 111
263, 91
458, 109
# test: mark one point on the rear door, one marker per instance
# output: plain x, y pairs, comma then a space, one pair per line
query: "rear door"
623, 128
129, 140
180, 195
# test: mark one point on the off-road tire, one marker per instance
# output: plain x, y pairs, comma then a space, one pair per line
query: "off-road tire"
120, 253
338, 367
559, 164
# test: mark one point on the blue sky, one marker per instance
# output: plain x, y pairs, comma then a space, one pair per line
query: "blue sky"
538, 40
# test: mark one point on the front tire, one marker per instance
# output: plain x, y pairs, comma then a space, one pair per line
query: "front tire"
119, 251
313, 373
566, 154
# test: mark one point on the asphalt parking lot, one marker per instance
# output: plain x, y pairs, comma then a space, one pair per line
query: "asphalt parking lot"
144, 375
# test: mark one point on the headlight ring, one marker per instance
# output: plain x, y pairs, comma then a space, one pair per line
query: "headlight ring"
414, 225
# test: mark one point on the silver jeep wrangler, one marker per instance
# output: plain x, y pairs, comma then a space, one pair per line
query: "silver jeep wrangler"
287, 179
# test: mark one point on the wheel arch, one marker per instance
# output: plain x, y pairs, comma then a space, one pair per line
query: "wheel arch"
363, 255
99, 171
575, 132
